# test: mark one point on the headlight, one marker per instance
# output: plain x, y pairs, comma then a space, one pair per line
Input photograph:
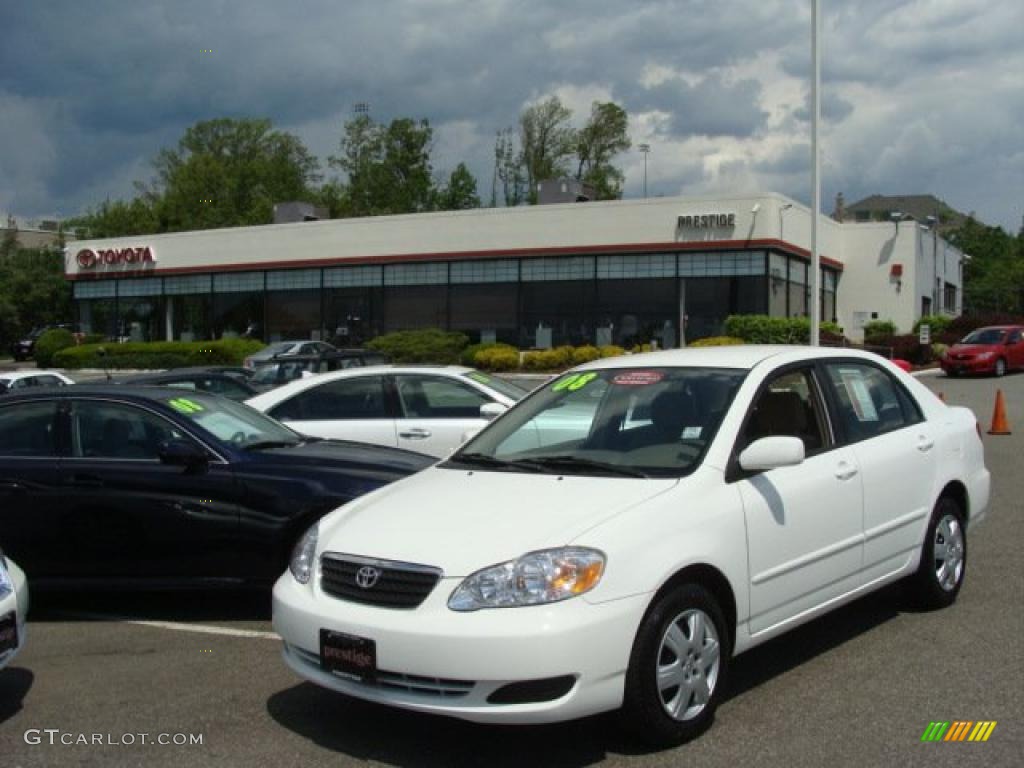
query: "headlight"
6, 585
535, 578
985, 355
303, 556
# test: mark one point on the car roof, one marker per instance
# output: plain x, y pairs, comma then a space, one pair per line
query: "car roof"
16, 375
299, 385
134, 393
739, 356
175, 372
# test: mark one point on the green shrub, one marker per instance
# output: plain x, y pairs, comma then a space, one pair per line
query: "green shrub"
585, 354
938, 350
157, 354
92, 338
611, 350
50, 343
937, 324
430, 345
879, 331
717, 341
555, 359
469, 355
497, 357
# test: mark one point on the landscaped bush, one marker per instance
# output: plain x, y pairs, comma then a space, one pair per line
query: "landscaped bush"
879, 332
157, 354
429, 345
717, 341
908, 347
496, 357
763, 329
611, 350
585, 354
92, 338
548, 359
938, 350
936, 323
50, 343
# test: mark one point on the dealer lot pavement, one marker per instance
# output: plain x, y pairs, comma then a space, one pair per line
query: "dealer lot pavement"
857, 687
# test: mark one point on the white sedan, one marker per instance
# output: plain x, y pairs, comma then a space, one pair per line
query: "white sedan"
716, 498
13, 609
13, 381
421, 408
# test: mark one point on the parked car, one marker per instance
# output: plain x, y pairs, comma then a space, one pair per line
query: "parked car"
15, 381
25, 348
696, 504
13, 609
996, 350
150, 486
426, 408
286, 348
278, 371
219, 382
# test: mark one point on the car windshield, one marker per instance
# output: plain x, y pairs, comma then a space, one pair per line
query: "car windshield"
984, 336
279, 373
634, 422
506, 388
279, 348
231, 422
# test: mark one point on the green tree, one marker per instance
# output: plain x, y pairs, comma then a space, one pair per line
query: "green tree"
605, 135
33, 290
508, 169
116, 219
994, 273
388, 168
459, 192
547, 142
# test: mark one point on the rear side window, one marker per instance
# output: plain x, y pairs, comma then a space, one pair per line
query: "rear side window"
869, 401
27, 429
355, 398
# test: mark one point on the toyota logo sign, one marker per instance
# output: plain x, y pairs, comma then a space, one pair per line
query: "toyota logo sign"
87, 258
112, 257
367, 576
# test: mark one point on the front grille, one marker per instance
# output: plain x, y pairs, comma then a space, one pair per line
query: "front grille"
398, 585
426, 686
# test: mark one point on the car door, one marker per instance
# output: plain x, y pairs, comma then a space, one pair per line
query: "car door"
895, 449
30, 499
435, 412
132, 516
804, 522
351, 408
1015, 349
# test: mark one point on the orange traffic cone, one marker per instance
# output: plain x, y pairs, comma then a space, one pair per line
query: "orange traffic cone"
1000, 426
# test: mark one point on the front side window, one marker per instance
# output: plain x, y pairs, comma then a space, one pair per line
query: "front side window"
360, 397
637, 422
869, 401
231, 422
789, 406
105, 430
27, 429
430, 397
984, 336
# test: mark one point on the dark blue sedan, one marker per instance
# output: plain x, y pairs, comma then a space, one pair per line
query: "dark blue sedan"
156, 487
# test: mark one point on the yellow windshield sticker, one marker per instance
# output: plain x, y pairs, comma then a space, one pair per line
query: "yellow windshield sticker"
185, 405
573, 382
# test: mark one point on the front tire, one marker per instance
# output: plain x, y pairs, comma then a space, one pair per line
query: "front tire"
677, 669
943, 557
1000, 369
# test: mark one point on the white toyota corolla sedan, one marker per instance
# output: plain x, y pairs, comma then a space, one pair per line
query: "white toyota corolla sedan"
615, 538
420, 408
13, 609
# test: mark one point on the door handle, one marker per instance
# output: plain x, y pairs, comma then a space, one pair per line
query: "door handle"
415, 434
845, 471
87, 481
924, 443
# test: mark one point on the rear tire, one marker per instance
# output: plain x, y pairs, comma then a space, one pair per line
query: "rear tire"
677, 669
943, 557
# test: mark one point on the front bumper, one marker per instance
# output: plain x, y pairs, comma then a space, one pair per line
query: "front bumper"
436, 660
972, 365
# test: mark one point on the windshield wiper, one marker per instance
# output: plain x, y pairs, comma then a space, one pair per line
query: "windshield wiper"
576, 462
483, 460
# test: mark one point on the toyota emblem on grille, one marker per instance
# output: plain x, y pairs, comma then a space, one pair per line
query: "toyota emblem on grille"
367, 576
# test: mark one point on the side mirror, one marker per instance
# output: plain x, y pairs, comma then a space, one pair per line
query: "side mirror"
181, 453
491, 411
772, 452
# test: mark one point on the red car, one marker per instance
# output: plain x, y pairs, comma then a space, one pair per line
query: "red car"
996, 349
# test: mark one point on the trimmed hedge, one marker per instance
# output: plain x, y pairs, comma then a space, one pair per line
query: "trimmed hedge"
564, 357
718, 341
50, 343
879, 332
430, 345
937, 324
763, 329
157, 354
496, 357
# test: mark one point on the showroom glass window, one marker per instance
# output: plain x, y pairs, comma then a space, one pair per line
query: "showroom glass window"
718, 284
485, 300
415, 296
238, 305
140, 309
870, 401
557, 301
798, 288
637, 300
353, 304
27, 430
189, 305
96, 307
293, 305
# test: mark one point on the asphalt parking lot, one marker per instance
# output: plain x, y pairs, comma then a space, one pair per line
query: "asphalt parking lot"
857, 687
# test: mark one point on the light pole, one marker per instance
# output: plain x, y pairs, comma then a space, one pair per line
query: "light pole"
815, 172
646, 149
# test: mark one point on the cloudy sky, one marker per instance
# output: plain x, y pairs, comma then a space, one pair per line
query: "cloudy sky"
919, 96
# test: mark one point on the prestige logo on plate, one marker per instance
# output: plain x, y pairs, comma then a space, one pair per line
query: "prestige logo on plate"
959, 730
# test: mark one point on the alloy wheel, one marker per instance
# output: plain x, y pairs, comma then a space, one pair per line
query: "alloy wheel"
688, 663
949, 552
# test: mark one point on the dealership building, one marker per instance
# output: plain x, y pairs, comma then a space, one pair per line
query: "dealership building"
668, 270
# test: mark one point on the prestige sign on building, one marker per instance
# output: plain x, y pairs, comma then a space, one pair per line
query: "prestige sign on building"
89, 259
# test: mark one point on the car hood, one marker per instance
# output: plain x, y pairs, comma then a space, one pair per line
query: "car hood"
971, 349
343, 454
462, 521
